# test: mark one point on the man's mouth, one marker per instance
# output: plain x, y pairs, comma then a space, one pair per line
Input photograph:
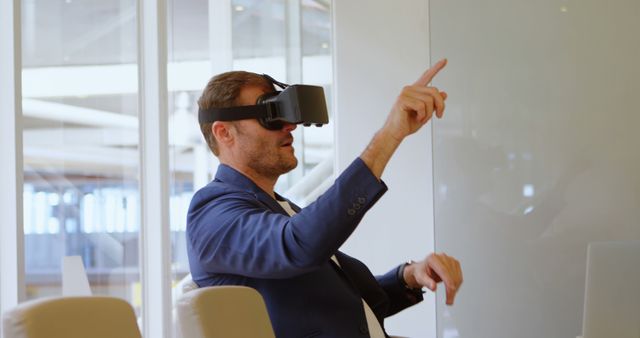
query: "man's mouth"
287, 143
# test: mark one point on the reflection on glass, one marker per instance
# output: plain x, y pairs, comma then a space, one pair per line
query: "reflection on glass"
538, 160
80, 134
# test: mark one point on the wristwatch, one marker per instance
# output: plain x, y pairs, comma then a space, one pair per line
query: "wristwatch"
401, 274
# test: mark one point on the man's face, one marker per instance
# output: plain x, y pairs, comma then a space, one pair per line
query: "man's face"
268, 152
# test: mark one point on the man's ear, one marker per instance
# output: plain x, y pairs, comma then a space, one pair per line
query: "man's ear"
222, 132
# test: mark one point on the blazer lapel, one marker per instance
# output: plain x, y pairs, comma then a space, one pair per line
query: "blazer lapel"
229, 175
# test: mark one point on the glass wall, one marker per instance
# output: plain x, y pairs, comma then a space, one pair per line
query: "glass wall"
535, 159
81, 120
80, 130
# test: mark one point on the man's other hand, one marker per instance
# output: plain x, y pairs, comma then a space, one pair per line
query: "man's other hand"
436, 268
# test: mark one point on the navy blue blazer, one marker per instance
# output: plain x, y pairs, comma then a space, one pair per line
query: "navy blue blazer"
239, 235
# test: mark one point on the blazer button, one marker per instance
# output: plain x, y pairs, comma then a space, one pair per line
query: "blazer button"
364, 328
351, 212
357, 206
361, 200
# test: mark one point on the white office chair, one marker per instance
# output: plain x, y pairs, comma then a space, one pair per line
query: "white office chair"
72, 317
186, 284
188, 315
224, 312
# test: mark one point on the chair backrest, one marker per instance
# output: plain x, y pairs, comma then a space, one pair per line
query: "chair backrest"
72, 317
186, 284
224, 311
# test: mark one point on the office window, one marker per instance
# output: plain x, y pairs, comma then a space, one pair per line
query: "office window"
81, 141
81, 159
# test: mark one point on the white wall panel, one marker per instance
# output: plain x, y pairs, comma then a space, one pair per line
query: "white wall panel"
380, 46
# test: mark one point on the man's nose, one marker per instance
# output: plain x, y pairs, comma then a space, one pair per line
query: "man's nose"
289, 127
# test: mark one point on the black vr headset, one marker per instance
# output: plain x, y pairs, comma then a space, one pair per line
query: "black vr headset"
295, 104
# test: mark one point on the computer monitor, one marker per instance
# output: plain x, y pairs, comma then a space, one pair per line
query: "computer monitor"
612, 290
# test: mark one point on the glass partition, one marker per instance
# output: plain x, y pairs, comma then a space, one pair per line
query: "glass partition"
81, 194
536, 157
80, 126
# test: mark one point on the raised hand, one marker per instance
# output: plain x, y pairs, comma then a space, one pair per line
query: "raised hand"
416, 104
413, 109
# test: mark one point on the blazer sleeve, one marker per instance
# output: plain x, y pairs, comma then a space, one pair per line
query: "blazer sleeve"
231, 231
400, 297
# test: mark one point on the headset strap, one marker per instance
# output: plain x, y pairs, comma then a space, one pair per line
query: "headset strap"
236, 113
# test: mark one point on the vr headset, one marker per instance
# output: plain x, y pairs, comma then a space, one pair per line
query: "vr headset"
295, 104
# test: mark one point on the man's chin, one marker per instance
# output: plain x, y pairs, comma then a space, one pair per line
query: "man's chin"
290, 166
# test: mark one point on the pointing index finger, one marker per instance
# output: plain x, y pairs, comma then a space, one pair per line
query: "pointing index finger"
428, 75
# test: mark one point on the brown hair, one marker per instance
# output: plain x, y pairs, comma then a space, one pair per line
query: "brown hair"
223, 91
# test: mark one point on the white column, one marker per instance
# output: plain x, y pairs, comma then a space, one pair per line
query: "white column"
201, 166
11, 231
220, 53
293, 26
220, 38
380, 46
293, 60
154, 170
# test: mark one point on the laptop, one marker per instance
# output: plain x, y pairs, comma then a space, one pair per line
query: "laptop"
612, 290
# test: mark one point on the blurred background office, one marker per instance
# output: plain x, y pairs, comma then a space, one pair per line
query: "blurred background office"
536, 156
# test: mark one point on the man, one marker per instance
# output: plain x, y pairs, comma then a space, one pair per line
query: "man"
240, 232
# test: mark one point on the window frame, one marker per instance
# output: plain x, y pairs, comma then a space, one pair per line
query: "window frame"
12, 288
